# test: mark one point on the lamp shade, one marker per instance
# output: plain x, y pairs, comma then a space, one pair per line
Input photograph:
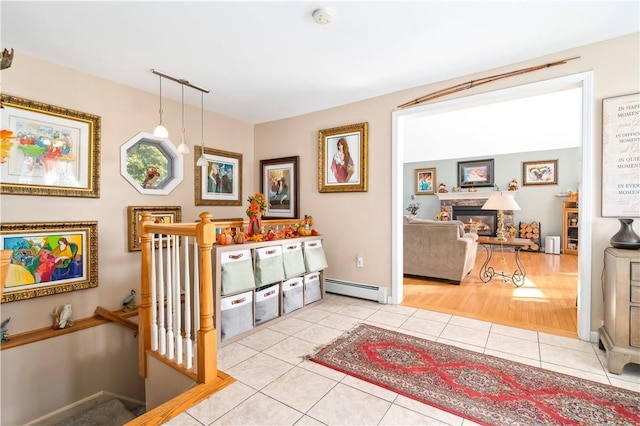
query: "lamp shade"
501, 201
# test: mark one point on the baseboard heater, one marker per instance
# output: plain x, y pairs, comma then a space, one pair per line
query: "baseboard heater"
361, 291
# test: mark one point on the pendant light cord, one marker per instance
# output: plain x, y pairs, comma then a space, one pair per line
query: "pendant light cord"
182, 113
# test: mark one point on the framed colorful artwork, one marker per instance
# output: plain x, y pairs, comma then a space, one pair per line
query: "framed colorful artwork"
279, 182
540, 172
219, 183
49, 258
621, 156
160, 214
425, 181
48, 150
476, 173
343, 156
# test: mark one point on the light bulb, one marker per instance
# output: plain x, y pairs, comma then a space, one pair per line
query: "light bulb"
202, 162
160, 132
183, 148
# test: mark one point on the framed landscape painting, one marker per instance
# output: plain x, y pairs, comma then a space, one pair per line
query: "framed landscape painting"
476, 173
279, 182
49, 258
219, 183
48, 150
343, 156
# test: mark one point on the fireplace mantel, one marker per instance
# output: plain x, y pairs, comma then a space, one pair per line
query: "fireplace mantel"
479, 195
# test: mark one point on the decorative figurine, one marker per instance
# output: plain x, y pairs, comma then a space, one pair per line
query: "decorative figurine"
4, 330
455, 189
442, 188
129, 303
62, 317
513, 185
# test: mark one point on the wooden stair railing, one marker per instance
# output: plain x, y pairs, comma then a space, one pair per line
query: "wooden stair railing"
107, 314
203, 234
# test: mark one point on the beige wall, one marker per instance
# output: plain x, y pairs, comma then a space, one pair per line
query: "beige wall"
124, 113
360, 223
352, 223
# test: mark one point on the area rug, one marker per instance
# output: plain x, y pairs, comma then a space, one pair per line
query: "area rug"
483, 388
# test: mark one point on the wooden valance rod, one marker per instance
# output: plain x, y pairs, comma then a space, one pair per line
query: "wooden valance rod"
473, 83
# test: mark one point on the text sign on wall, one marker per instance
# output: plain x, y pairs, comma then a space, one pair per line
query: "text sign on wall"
621, 156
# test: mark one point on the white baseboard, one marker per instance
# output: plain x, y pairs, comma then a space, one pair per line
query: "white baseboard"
81, 405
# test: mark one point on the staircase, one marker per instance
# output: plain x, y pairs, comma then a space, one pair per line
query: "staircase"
112, 412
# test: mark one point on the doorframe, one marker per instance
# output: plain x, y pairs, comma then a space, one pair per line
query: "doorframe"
585, 186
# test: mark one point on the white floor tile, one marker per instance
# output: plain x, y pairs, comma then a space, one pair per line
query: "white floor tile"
470, 323
311, 315
594, 377
221, 402
522, 360
429, 411
308, 421
471, 336
232, 354
339, 322
259, 370
572, 358
388, 318
299, 388
262, 339
291, 350
565, 342
322, 370
424, 326
369, 388
397, 415
260, 410
183, 419
514, 332
290, 325
344, 405
433, 316
513, 345
319, 334
461, 345
399, 309
357, 311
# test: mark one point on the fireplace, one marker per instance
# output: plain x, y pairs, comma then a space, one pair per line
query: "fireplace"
485, 221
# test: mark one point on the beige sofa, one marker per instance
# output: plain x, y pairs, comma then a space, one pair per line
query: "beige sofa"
438, 249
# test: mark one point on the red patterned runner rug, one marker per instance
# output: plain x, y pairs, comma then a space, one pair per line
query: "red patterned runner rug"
483, 388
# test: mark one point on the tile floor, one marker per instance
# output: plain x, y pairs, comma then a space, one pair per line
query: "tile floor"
275, 386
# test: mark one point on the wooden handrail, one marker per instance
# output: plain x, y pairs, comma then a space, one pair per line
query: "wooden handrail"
105, 313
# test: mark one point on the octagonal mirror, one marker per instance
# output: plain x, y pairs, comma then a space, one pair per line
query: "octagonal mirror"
150, 164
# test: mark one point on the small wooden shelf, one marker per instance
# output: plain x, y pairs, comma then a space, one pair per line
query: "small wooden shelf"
44, 333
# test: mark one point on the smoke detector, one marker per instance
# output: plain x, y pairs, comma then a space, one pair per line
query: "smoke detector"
322, 16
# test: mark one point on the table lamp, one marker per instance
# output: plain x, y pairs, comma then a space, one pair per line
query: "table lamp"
501, 201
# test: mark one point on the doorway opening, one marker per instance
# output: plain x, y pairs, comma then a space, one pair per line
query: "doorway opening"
400, 134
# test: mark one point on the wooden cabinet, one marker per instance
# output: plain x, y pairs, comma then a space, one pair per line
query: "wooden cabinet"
246, 295
570, 222
620, 333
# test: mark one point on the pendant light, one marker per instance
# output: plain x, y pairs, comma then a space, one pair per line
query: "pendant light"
161, 131
202, 162
183, 148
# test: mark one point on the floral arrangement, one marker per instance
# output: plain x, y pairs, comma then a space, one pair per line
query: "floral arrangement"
257, 205
413, 208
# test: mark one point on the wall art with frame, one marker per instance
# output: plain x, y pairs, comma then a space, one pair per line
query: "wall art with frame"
343, 156
279, 182
477, 173
159, 214
54, 151
425, 181
621, 156
219, 183
49, 258
544, 172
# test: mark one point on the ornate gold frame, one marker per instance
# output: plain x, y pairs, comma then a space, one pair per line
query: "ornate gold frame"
89, 143
355, 135
205, 198
134, 213
36, 233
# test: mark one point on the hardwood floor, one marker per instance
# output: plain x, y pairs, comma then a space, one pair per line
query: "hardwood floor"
546, 302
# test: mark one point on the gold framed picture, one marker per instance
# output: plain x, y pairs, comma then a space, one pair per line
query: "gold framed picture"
53, 151
343, 156
425, 181
49, 258
160, 214
219, 183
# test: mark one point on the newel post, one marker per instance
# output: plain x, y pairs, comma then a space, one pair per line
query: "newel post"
207, 336
144, 310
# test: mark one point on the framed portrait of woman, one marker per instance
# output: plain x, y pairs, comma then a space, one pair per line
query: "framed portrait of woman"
343, 155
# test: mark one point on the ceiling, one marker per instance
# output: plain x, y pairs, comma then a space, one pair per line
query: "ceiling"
268, 60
